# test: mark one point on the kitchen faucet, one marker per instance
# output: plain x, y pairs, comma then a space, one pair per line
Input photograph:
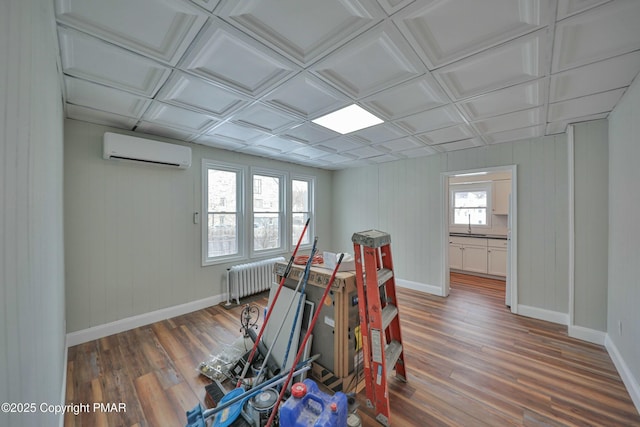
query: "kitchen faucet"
469, 229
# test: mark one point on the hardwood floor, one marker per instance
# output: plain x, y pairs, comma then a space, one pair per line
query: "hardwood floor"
470, 362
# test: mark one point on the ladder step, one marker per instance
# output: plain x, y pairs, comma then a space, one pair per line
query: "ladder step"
392, 353
389, 312
384, 274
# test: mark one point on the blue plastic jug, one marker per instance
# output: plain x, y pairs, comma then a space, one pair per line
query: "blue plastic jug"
309, 407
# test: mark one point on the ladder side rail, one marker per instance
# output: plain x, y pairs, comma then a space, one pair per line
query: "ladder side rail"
364, 323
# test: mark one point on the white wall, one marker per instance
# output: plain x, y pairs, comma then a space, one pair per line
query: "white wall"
32, 331
590, 225
624, 238
131, 244
405, 199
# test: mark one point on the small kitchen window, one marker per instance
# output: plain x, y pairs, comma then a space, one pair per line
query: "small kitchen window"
470, 204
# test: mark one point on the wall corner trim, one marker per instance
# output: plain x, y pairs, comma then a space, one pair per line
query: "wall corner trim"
633, 387
100, 331
422, 287
543, 314
586, 334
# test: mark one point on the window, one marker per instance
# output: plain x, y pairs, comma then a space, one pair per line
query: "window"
223, 205
469, 204
301, 209
268, 211
253, 212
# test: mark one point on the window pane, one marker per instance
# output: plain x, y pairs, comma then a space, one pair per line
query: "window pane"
464, 199
266, 231
299, 220
300, 196
475, 216
222, 191
266, 193
223, 235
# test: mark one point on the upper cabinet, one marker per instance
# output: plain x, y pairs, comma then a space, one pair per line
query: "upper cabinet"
500, 199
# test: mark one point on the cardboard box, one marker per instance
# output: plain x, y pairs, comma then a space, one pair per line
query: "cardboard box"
336, 333
353, 382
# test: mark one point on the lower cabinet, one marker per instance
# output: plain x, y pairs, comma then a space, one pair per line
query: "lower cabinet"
497, 257
477, 255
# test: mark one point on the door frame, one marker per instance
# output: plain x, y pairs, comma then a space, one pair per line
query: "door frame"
512, 256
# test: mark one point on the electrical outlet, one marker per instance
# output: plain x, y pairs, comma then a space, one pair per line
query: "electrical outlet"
620, 327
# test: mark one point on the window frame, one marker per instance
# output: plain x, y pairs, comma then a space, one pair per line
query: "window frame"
282, 213
311, 205
241, 172
468, 187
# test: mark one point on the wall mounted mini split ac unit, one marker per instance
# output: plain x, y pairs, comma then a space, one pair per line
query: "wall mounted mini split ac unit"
125, 147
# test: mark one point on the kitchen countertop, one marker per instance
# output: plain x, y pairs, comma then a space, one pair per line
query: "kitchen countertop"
480, 236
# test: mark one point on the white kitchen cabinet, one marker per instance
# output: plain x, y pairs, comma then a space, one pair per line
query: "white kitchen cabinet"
500, 198
455, 256
497, 257
468, 254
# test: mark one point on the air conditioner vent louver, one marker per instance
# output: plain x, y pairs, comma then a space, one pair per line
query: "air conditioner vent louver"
130, 148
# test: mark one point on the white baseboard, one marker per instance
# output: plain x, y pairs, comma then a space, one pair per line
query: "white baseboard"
586, 334
422, 287
542, 314
100, 331
633, 387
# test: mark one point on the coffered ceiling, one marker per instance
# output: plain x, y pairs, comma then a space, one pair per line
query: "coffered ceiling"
250, 76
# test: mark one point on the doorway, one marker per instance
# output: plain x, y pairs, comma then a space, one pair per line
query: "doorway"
481, 204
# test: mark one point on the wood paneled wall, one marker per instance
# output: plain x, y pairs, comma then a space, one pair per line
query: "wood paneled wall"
131, 244
405, 199
32, 331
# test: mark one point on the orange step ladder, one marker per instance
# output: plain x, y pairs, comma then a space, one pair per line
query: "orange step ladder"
379, 318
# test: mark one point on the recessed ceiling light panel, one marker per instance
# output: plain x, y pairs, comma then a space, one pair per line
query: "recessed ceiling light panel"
348, 119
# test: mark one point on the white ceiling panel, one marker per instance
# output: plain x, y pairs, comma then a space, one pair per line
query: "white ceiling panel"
372, 62
365, 152
85, 114
162, 30
401, 144
319, 98
281, 144
453, 133
446, 30
601, 76
419, 94
91, 59
191, 92
585, 106
419, 152
511, 63
433, 119
461, 145
225, 55
599, 33
166, 131
266, 118
378, 133
305, 29
207, 4
516, 134
178, 118
310, 152
520, 119
338, 145
235, 133
514, 98
571, 7
224, 143
309, 133
87, 94
250, 76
